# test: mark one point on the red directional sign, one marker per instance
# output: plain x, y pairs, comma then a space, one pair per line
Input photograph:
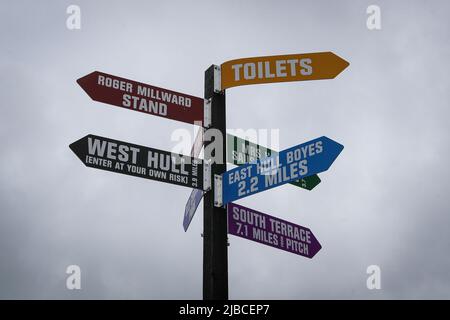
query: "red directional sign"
142, 97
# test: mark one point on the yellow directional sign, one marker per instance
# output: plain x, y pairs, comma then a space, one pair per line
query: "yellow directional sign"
284, 68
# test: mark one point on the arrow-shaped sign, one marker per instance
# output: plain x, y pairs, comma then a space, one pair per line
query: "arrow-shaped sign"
196, 195
134, 160
191, 206
289, 165
283, 68
263, 228
142, 97
241, 151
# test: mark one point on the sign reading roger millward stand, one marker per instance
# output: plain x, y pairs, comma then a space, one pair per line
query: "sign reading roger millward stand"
142, 97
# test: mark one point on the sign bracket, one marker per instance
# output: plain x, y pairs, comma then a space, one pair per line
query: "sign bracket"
207, 113
217, 79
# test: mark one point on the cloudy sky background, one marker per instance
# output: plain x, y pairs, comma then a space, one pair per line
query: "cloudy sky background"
384, 201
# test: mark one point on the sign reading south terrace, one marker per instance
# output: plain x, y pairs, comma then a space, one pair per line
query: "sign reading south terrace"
260, 227
139, 161
289, 165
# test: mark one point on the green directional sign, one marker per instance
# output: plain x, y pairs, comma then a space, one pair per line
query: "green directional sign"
241, 151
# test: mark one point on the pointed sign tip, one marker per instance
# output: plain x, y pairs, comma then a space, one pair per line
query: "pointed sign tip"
72, 146
316, 251
77, 147
337, 144
341, 64
86, 82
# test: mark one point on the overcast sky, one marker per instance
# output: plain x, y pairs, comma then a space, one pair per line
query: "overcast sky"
385, 200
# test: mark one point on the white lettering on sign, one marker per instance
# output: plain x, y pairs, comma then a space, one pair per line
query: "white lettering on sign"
239, 175
166, 162
98, 162
164, 96
142, 104
297, 246
97, 147
114, 83
296, 170
304, 152
157, 99
290, 231
264, 70
250, 217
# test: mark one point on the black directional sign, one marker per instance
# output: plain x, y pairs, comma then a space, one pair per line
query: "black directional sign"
139, 161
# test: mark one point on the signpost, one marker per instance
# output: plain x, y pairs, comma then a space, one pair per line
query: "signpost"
260, 168
142, 97
282, 68
260, 227
241, 151
134, 160
289, 165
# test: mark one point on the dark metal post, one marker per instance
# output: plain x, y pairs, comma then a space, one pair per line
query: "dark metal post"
215, 244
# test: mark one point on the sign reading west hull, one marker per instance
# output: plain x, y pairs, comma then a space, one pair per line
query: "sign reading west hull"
283, 68
241, 151
134, 160
142, 97
289, 165
263, 228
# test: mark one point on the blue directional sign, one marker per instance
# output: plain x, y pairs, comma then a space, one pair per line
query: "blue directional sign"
289, 165
191, 206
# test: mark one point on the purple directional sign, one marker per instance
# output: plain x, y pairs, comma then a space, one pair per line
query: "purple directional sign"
263, 228
191, 206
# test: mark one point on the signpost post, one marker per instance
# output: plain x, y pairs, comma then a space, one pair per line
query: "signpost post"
215, 241
260, 227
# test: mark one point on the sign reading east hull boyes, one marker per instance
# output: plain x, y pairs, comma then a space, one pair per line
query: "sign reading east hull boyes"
263, 228
289, 165
142, 97
131, 159
283, 68
241, 151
